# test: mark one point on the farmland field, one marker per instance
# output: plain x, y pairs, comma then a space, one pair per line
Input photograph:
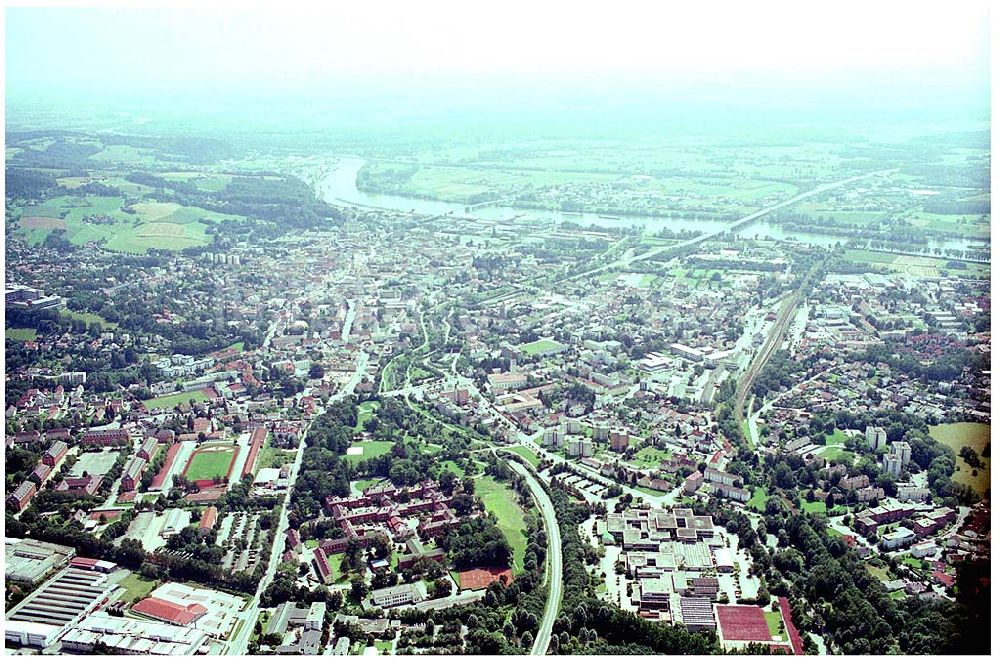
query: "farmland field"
923, 266
209, 463
501, 502
966, 434
147, 225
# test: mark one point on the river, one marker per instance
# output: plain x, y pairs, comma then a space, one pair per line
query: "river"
339, 186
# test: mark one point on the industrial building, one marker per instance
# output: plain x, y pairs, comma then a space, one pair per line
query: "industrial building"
28, 560
122, 635
54, 606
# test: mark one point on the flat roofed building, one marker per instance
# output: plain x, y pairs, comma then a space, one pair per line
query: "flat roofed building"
696, 613
28, 560
69, 595
123, 635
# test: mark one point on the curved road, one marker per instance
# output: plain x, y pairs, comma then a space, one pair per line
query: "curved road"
554, 559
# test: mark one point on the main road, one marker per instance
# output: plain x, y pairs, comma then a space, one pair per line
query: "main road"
553, 557
238, 642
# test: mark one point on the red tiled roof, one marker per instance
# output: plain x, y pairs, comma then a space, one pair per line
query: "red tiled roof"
169, 612
83, 562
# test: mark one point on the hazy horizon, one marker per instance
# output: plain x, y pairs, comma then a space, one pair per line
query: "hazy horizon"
378, 66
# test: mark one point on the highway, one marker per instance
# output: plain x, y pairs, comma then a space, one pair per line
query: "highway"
553, 559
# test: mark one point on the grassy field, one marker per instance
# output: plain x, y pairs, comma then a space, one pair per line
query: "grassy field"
365, 412
878, 572
173, 400
21, 334
916, 265
453, 466
209, 464
966, 434
274, 457
136, 587
650, 457
812, 507
836, 437
758, 499
836, 455
527, 454
502, 502
372, 449
90, 318
774, 623
540, 346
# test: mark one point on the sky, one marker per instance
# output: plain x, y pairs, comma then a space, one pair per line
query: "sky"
632, 66
115, 48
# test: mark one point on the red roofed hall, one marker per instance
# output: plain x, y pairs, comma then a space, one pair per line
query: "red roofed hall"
169, 612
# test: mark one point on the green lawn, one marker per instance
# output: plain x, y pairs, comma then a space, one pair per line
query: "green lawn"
540, 346
501, 502
136, 587
877, 572
453, 466
966, 434
383, 645
365, 412
774, 623
812, 507
836, 437
274, 457
90, 318
758, 500
527, 454
173, 400
837, 455
650, 457
371, 449
21, 334
209, 464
